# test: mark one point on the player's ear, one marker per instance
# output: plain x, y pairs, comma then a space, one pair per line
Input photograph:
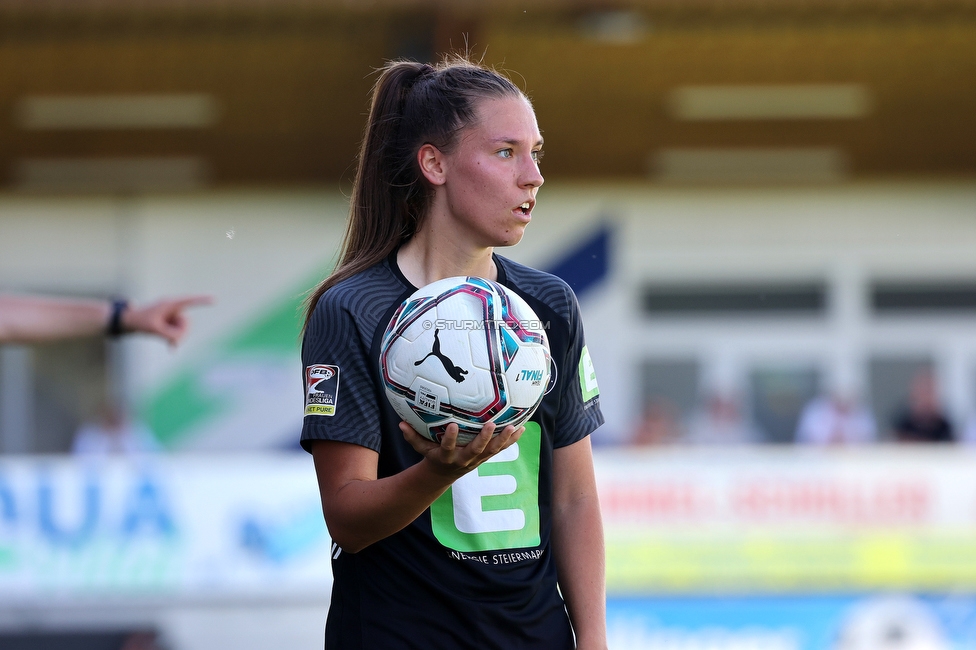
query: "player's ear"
431, 162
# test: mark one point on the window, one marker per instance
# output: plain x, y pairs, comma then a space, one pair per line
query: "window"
778, 396
47, 391
806, 299
889, 298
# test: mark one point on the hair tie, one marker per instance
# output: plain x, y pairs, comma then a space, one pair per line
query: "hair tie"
423, 72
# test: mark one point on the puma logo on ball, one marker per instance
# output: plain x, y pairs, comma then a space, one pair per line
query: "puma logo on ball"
457, 373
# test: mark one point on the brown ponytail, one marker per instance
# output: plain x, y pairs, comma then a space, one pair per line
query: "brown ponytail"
412, 104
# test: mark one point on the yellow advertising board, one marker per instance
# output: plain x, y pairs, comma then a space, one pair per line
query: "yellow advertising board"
789, 521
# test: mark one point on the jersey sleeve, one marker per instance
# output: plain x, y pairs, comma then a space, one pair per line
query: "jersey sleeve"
340, 391
579, 401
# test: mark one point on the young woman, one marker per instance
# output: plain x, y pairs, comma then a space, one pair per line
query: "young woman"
448, 170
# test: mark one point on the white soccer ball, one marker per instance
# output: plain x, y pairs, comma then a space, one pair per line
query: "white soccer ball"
464, 350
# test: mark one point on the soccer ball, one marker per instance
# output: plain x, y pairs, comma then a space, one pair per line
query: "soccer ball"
464, 350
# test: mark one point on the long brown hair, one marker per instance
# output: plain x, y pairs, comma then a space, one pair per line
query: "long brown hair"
412, 104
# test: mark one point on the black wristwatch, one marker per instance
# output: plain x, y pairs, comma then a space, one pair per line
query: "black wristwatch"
115, 319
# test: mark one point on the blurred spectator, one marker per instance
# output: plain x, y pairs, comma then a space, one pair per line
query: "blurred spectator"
113, 433
720, 422
141, 641
969, 432
836, 419
658, 424
35, 319
923, 419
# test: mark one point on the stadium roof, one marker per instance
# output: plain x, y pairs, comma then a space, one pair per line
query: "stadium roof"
243, 92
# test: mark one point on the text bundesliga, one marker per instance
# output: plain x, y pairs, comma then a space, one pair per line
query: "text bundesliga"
475, 324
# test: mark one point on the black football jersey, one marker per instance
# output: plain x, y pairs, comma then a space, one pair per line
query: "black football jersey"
476, 569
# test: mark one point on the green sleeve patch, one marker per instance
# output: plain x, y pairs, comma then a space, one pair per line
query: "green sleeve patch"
587, 376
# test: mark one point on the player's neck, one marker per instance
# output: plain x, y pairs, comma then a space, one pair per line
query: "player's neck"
425, 259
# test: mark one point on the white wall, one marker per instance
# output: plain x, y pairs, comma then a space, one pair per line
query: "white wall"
845, 234
250, 249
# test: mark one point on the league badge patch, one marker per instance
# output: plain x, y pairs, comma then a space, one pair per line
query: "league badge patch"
321, 389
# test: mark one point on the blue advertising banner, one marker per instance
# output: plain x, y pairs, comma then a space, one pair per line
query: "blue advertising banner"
849, 622
161, 528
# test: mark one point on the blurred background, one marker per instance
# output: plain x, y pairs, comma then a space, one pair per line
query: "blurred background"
767, 210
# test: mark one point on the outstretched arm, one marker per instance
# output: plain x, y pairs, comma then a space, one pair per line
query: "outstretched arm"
33, 319
577, 543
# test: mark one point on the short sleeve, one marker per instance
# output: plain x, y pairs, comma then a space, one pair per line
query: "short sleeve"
341, 400
579, 399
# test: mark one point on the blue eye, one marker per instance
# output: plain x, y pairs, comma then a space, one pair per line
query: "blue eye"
506, 153
537, 155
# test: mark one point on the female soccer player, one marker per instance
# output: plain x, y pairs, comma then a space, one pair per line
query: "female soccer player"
432, 547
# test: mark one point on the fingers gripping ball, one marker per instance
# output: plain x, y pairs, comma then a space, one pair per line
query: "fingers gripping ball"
465, 350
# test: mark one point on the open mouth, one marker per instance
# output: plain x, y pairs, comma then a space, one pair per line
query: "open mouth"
525, 208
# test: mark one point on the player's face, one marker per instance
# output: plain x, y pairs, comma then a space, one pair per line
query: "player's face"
492, 176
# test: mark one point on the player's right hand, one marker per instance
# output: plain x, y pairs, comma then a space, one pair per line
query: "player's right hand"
453, 460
